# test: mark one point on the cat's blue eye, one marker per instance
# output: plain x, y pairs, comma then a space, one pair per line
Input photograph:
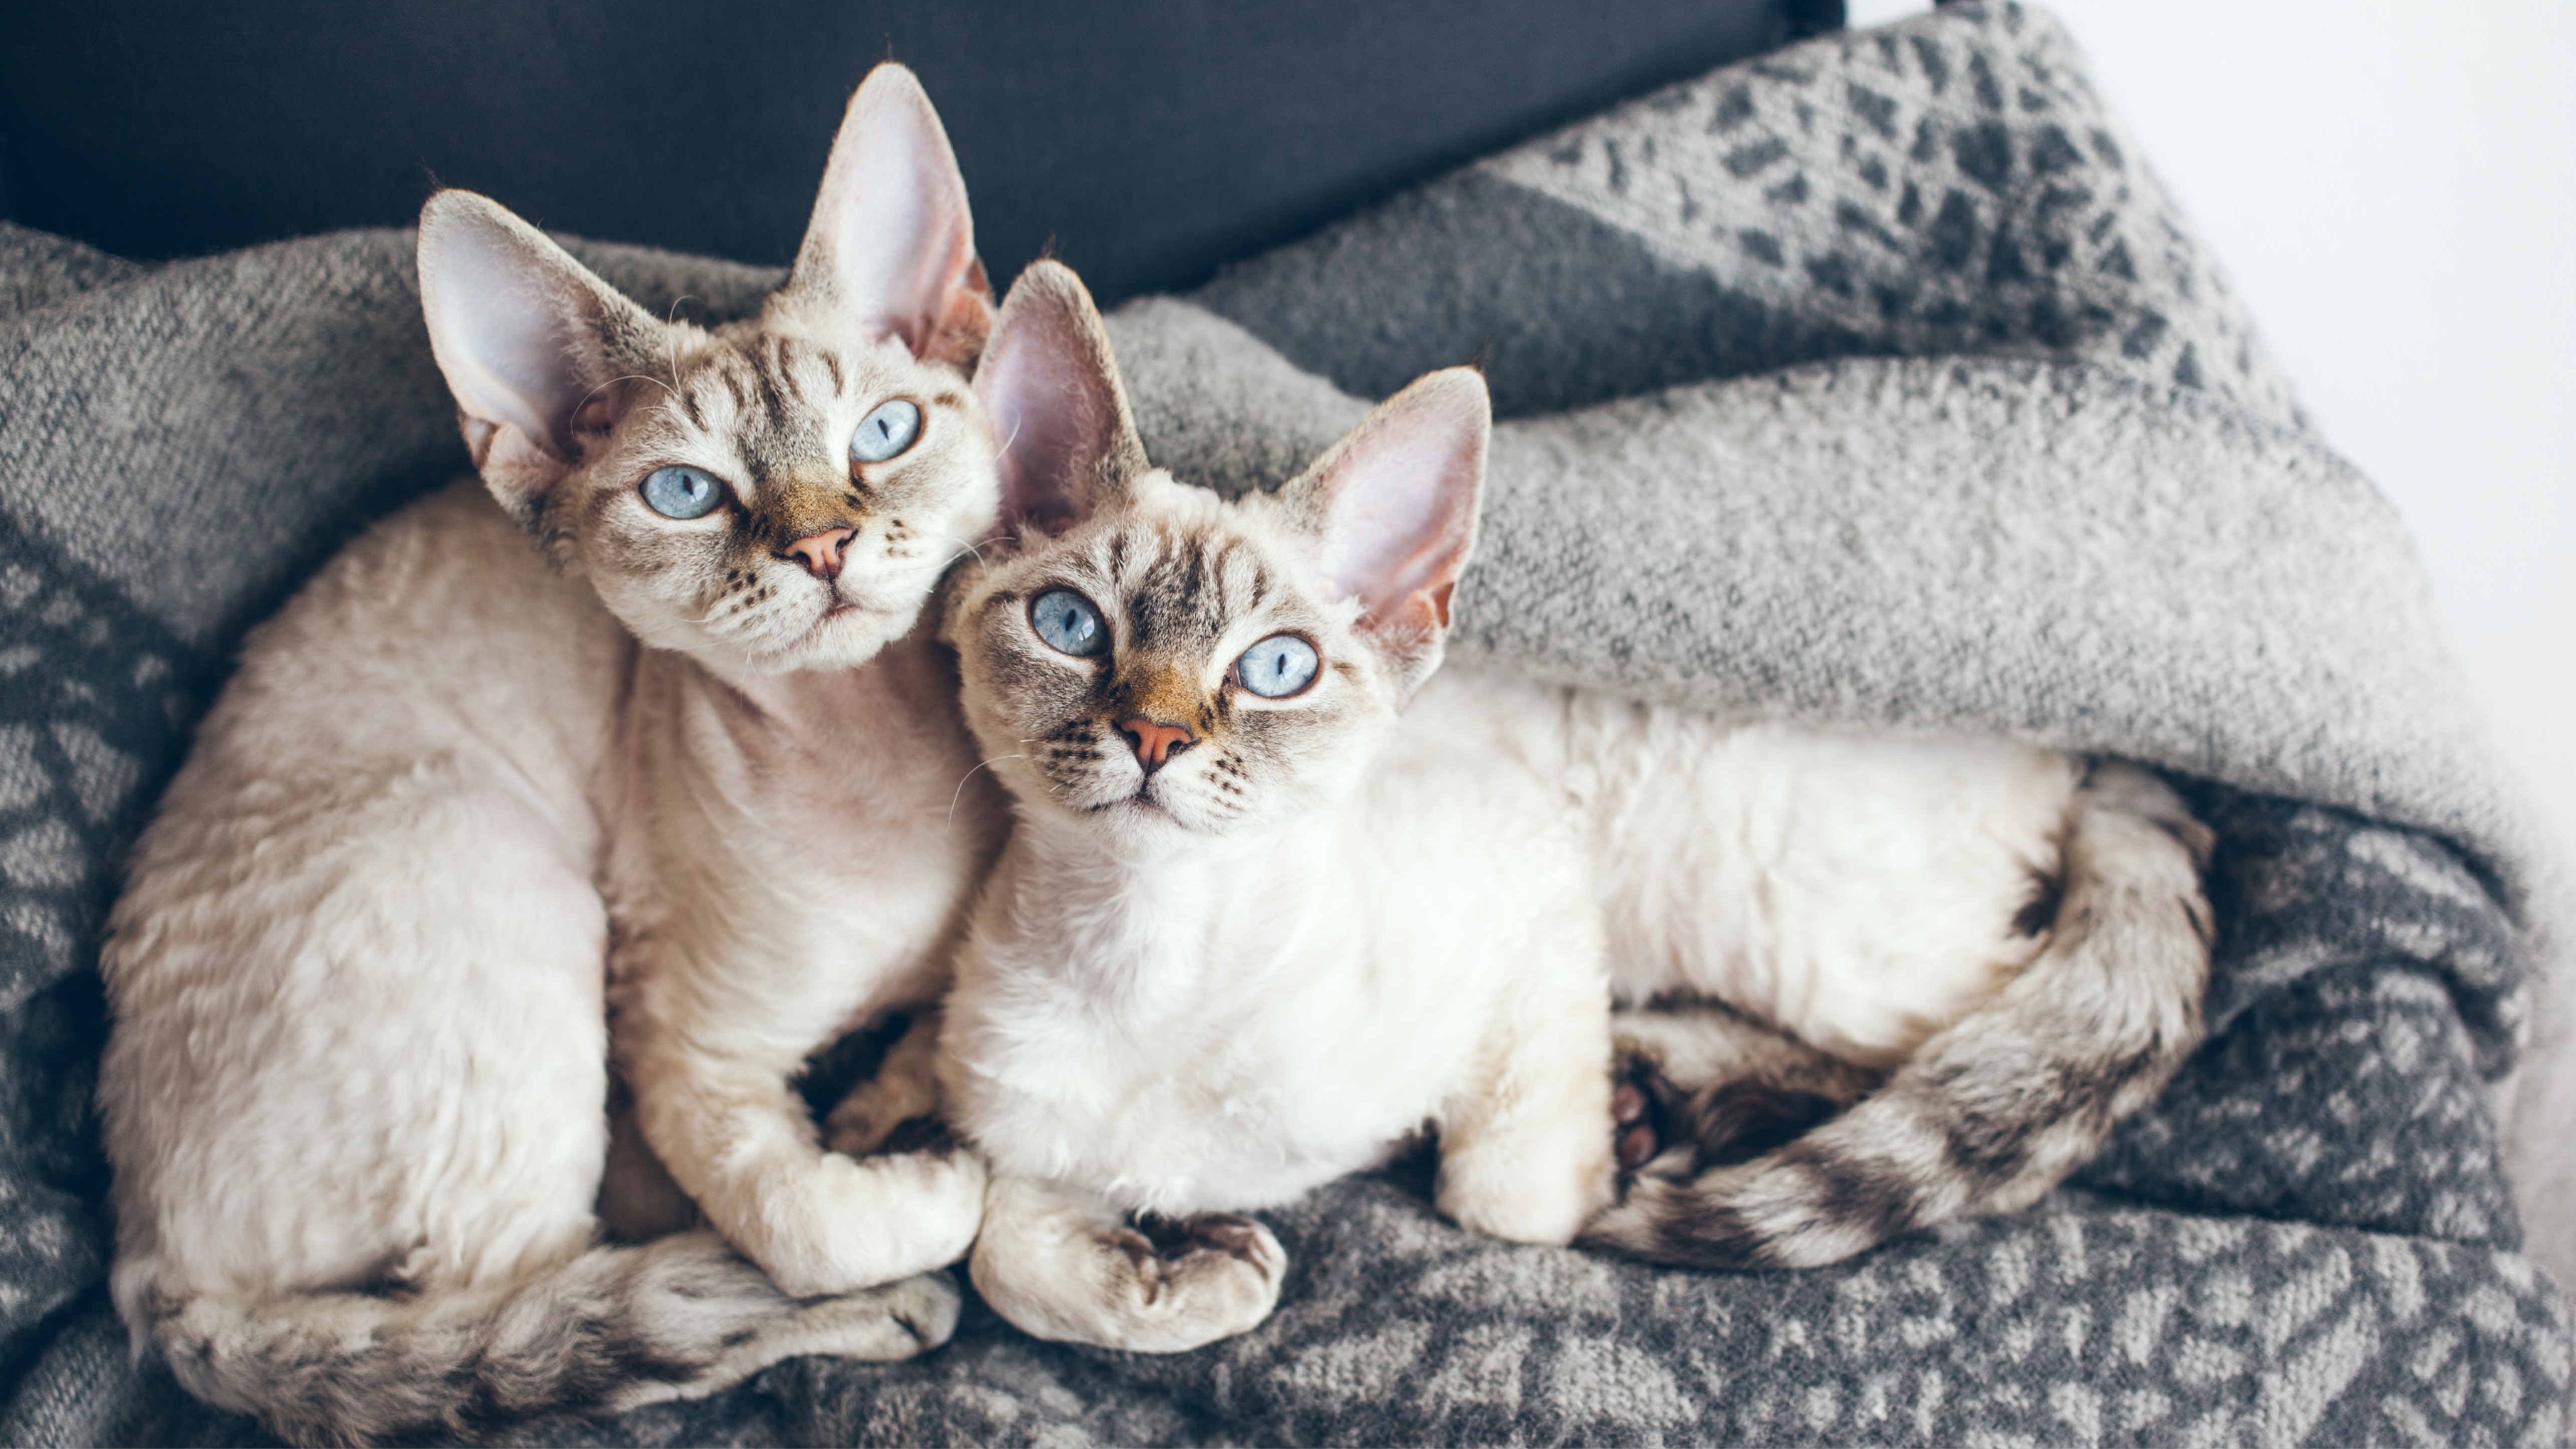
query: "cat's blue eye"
887, 431
1068, 623
1277, 667
682, 492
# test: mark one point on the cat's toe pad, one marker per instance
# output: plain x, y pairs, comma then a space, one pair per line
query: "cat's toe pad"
1639, 1120
1633, 1131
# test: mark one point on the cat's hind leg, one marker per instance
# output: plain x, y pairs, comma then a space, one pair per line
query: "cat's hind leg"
1997, 1108
355, 1100
1698, 1085
1522, 1151
1060, 1265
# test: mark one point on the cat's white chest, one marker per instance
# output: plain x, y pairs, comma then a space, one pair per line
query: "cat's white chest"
1192, 1061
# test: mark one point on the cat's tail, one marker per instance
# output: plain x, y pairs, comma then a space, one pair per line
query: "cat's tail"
2000, 1106
611, 1329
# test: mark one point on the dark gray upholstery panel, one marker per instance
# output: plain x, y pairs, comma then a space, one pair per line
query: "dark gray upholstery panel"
1150, 139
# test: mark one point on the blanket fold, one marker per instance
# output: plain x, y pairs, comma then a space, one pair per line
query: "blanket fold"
1873, 383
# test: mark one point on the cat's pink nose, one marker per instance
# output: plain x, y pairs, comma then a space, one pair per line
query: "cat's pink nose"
1155, 743
821, 554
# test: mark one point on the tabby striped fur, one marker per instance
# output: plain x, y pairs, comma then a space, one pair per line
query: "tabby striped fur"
681, 1317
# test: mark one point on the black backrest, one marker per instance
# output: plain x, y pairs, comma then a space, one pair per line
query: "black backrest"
1151, 140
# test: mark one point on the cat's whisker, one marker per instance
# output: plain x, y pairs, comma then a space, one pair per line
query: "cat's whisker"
969, 546
960, 793
630, 377
671, 333
725, 607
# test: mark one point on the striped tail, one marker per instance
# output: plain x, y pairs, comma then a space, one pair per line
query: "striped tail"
612, 1329
2000, 1106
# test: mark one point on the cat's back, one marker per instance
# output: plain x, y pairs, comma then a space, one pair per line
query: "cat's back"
1861, 888
386, 815
1857, 887
440, 628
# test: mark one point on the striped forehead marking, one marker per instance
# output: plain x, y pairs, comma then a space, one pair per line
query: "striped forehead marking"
1185, 586
772, 383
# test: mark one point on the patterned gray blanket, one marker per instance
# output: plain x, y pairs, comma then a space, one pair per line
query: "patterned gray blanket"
1876, 381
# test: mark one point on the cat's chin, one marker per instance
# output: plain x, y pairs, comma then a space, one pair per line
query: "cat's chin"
845, 636
1139, 826
1133, 813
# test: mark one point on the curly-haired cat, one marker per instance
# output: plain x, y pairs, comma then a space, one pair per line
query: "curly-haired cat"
1279, 891
355, 1094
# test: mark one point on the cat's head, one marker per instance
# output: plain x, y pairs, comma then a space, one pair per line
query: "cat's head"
776, 494
1168, 667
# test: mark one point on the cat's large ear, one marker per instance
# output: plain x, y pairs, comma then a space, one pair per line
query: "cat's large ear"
891, 248
1059, 413
529, 339
1394, 504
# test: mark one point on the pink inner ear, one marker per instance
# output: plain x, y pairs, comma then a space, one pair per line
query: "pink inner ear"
1047, 386
892, 243
507, 314
1396, 526
1400, 503
1042, 425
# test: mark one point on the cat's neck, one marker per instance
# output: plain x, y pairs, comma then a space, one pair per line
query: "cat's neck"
1143, 928
909, 673
864, 747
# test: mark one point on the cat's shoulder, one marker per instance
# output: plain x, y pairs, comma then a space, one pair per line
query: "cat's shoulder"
439, 624
447, 576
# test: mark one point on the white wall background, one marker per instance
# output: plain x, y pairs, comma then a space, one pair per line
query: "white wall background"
2391, 186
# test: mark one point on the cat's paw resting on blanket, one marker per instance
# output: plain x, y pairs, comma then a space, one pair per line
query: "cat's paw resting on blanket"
1700, 1085
1058, 1266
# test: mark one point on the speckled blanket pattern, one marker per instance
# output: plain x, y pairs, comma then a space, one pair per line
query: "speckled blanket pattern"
1875, 381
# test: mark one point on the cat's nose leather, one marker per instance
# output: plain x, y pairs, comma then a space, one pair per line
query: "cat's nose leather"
1155, 743
821, 553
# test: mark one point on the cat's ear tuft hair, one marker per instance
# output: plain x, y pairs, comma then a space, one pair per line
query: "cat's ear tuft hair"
1394, 504
891, 248
1059, 413
530, 340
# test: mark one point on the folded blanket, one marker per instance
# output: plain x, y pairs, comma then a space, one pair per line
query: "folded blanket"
1873, 382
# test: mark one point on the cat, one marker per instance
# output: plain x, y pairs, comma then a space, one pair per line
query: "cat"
1210, 970
1280, 888
691, 739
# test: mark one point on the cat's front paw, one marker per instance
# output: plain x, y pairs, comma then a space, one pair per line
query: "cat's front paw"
1161, 1241
1162, 1286
1193, 1281
897, 1320
836, 1224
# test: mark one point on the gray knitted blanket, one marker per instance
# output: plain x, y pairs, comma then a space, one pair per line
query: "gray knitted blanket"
1877, 382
